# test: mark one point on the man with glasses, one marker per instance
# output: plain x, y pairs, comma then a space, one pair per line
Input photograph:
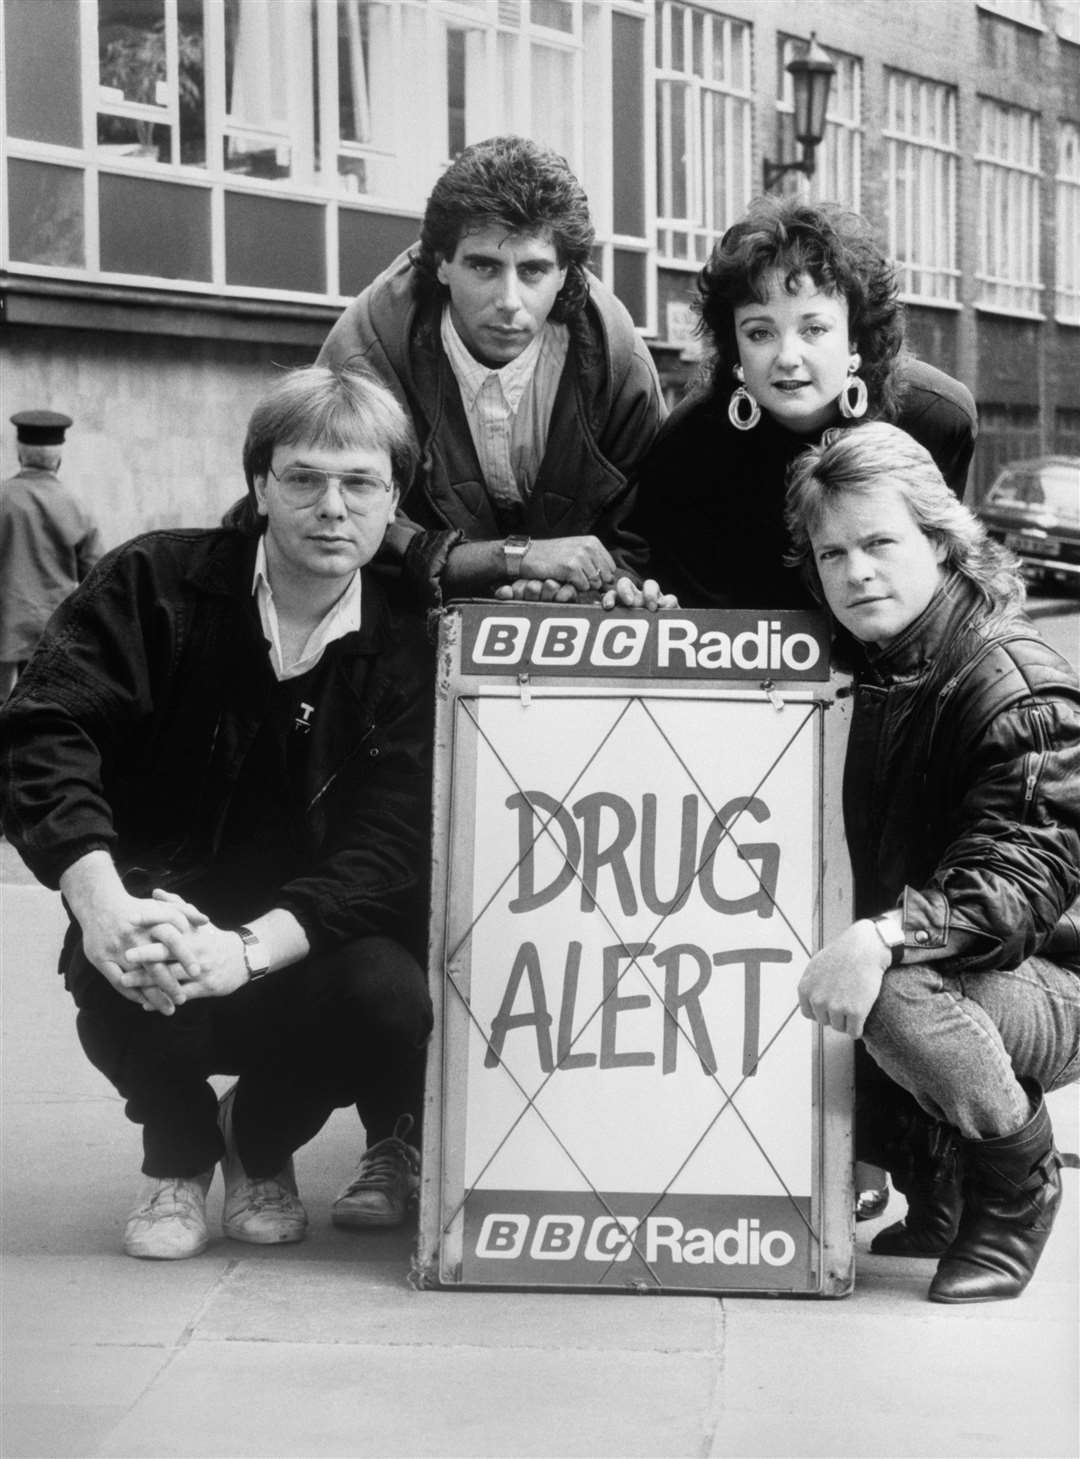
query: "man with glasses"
531, 392
220, 754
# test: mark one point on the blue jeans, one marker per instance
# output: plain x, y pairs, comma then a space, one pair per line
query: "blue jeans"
960, 1043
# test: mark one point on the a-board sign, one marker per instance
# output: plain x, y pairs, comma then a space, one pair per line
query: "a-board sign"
637, 847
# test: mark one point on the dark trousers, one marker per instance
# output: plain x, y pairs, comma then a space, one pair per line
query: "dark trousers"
347, 1026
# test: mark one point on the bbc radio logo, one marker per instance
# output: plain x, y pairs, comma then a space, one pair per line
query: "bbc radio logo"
505, 1236
668, 644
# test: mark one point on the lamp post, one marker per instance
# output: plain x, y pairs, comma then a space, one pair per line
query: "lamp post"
812, 75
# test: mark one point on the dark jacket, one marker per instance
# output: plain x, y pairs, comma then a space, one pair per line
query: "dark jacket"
607, 410
149, 723
962, 787
710, 499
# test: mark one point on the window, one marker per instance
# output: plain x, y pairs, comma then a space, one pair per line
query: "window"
1008, 166
838, 161
920, 136
150, 80
320, 124
1067, 188
703, 112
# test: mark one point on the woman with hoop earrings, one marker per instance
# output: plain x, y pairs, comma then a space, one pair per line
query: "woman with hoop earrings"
799, 308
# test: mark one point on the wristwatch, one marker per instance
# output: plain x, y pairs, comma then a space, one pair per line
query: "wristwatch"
514, 550
256, 957
890, 929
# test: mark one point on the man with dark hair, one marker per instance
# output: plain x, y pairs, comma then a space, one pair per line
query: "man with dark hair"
48, 540
220, 754
530, 390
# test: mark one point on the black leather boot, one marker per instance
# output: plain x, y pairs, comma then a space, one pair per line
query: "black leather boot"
924, 1162
1012, 1190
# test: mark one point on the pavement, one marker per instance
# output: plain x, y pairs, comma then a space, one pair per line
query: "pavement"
324, 1349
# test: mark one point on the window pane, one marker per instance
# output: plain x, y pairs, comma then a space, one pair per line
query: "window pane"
628, 282
555, 14
172, 240
46, 214
275, 243
126, 137
131, 50
367, 242
270, 89
680, 202
44, 91
455, 92
552, 98
192, 84
628, 142
354, 69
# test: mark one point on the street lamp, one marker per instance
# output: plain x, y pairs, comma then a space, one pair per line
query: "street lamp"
812, 75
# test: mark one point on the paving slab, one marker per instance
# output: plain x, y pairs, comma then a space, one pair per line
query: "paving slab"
270, 1401
264, 1304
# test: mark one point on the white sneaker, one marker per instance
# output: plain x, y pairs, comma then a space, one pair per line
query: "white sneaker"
170, 1222
263, 1212
383, 1185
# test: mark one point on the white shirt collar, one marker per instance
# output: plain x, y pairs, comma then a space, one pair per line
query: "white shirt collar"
472, 375
342, 618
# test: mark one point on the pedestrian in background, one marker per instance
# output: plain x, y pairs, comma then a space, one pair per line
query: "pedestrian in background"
48, 540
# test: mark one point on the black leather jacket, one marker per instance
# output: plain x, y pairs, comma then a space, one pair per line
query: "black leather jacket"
962, 787
149, 723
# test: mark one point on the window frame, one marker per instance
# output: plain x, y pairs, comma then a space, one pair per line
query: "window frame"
1009, 187
1067, 221
707, 216
909, 154
587, 22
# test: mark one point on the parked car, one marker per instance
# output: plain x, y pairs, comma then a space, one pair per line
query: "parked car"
1034, 508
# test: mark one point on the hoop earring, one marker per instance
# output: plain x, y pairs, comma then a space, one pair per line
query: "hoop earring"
853, 398
742, 399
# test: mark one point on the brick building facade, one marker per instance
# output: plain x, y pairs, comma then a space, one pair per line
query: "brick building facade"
194, 188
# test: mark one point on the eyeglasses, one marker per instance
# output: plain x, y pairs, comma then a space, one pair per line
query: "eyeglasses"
303, 486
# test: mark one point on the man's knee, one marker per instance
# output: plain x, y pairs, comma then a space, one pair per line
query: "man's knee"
904, 1006
382, 991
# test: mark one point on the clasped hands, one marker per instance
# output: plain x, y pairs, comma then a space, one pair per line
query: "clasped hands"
562, 569
842, 982
161, 951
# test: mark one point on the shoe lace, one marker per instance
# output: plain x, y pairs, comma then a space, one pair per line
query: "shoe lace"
266, 1195
381, 1164
170, 1196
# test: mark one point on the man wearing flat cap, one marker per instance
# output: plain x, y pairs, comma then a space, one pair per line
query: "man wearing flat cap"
48, 540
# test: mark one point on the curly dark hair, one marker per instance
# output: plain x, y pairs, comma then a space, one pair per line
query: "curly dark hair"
519, 185
833, 247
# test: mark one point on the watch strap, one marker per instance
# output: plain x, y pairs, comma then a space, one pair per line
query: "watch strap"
256, 957
514, 550
891, 933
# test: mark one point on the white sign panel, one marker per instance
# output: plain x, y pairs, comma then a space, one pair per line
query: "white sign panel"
627, 1093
